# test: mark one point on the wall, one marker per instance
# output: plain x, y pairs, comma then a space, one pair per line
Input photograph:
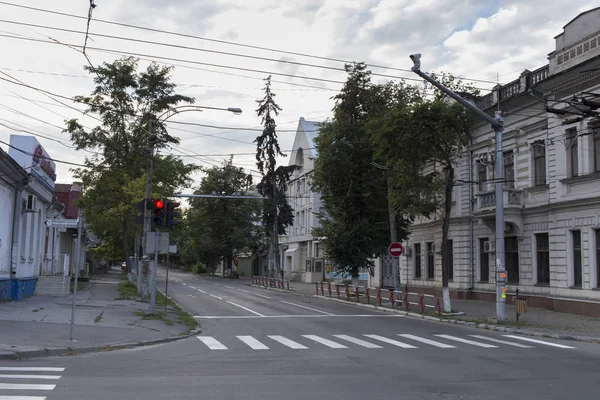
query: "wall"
7, 200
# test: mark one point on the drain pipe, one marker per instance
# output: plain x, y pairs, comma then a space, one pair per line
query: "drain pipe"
471, 233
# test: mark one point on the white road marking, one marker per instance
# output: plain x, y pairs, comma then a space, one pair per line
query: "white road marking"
192, 296
260, 295
359, 342
184, 284
391, 341
49, 377
192, 287
22, 397
253, 343
427, 341
308, 308
246, 308
561, 346
523, 346
228, 287
33, 369
201, 291
467, 341
326, 342
297, 316
287, 342
212, 343
242, 290
25, 386
216, 296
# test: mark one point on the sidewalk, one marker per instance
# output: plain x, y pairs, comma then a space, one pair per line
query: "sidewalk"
536, 319
37, 324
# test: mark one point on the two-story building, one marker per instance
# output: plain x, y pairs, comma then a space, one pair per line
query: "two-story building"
551, 166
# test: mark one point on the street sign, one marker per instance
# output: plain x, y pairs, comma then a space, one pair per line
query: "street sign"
395, 249
163, 242
61, 223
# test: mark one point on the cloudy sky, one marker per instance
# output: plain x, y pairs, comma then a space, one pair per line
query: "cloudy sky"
484, 40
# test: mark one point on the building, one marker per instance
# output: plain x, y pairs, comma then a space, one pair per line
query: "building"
551, 154
302, 253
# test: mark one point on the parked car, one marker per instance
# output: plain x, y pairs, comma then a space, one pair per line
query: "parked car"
124, 265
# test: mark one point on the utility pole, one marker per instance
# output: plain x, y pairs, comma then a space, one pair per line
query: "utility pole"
77, 263
393, 235
143, 284
275, 240
497, 123
152, 304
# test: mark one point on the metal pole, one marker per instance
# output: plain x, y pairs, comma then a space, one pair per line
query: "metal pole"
147, 216
167, 284
500, 266
393, 235
77, 262
498, 126
151, 307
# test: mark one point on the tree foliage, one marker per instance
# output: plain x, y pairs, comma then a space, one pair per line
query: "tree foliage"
113, 178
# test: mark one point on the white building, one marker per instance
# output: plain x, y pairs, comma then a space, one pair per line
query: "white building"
551, 190
302, 254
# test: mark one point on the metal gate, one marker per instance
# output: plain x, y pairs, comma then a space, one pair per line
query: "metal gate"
387, 273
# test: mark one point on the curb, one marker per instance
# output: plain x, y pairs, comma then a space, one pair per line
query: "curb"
66, 351
493, 327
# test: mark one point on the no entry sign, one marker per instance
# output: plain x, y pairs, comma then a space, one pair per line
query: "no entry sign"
395, 249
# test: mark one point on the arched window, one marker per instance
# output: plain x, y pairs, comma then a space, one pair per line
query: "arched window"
300, 158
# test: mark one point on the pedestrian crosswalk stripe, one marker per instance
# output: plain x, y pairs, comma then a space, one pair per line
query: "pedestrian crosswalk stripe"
467, 341
326, 342
25, 386
359, 342
22, 397
9, 376
391, 341
253, 343
287, 342
562, 346
33, 369
523, 346
212, 343
427, 341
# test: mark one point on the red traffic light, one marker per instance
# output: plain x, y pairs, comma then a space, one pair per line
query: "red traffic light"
158, 203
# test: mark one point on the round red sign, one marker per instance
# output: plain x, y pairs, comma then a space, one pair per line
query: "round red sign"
395, 249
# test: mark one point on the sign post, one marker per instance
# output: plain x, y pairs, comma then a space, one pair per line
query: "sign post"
395, 249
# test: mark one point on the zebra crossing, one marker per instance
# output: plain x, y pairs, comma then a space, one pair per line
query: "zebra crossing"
373, 341
28, 383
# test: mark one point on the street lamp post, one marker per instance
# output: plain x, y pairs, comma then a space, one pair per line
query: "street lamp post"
149, 169
497, 123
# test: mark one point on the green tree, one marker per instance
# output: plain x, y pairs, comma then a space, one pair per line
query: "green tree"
277, 214
355, 226
220, 229
113, 178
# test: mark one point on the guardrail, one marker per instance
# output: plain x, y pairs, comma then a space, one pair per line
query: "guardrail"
266, 281
395, 299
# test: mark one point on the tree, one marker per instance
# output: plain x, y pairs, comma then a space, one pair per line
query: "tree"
113, 177
432, 134
277, 214
220, 229
355, 226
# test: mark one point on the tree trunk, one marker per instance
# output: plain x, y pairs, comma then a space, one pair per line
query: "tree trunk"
126, 245
445, 227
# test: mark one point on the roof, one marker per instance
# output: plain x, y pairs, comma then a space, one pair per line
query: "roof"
19, 172
62, 187
311, 131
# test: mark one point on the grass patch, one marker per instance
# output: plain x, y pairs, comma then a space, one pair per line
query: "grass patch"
99, 317
182, 316
157, 316
127, 291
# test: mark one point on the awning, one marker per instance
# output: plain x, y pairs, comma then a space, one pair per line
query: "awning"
292, 249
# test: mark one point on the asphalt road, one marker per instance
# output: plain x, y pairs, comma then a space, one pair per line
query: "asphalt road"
260, 344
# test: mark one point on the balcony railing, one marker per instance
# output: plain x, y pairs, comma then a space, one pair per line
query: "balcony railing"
513, 198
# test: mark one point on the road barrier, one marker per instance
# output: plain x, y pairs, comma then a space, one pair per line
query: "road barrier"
275, 283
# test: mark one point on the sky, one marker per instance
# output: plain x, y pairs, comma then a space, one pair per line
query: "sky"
303, 44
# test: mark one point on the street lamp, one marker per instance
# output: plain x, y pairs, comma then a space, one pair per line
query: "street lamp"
189, 107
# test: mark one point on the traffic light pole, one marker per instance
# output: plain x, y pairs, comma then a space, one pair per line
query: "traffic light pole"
143, 286
152, 305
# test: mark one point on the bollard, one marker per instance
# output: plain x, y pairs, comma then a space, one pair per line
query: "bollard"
329, 288
357, 292
337, 289
437, 306
379, 296
322, 291
406, 301
317, 286
392, 300
288, 285
347, 292
367, 295
422, 303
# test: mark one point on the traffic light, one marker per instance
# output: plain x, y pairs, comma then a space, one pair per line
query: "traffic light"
158, 218
171, 214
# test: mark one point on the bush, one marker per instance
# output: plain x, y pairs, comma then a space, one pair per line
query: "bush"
199, 268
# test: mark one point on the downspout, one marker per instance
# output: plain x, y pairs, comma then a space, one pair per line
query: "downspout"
471, 233
16, 221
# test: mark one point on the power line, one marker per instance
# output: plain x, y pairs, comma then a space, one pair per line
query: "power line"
31, 154
218, 40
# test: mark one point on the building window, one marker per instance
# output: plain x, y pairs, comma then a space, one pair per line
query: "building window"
509, 169
572, 152
539, 162
586, 47
450, 265
511, 252
577, 275
593, 44
566, 56
579, 50
484, 261
542, 252
597, 233
572, 53
597, 151
430, 261
417, 260
559, 59
481, 176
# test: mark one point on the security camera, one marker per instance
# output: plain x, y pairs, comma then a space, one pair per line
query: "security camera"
416, 58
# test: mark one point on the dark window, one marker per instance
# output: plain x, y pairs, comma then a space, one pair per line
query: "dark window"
542, 251
539, 162
481, 176
586, 47
597, 232
484, 261
572, 155
577, 258
450, 260
593, 43
597, 151
430, 261
511, 251
579, 50
417, 260
567, 56
509, 169
559, 59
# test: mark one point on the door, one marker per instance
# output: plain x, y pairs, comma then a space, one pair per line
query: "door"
387, 273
